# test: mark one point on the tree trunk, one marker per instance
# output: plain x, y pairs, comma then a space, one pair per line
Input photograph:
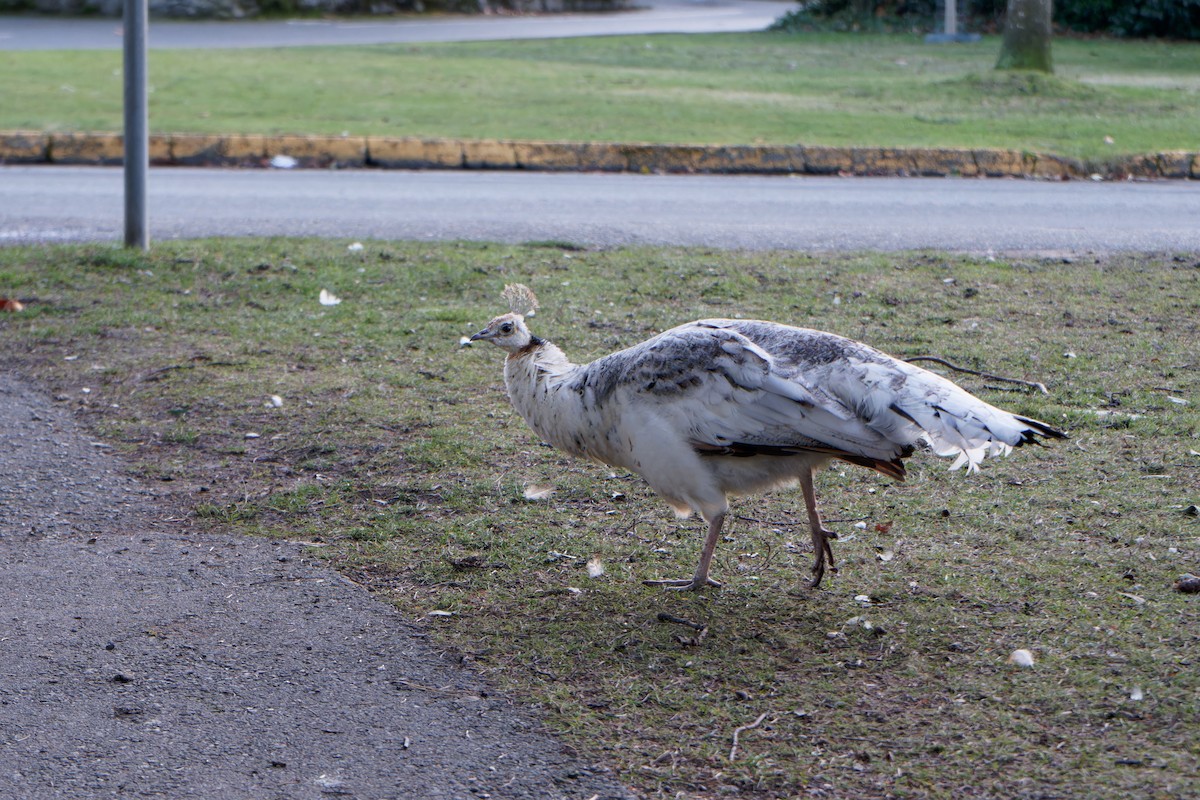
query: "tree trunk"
1026, 36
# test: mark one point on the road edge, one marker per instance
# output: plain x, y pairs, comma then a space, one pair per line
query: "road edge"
411, 152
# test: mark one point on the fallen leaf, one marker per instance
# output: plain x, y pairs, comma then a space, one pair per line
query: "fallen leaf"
441, 613
594, 567
328, 298
8, 304
1135, 598
883, 527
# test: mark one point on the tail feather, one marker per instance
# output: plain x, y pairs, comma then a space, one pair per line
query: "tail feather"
954, 423
1036, 429
982, 430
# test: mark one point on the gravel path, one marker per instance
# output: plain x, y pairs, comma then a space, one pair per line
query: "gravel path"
140, 659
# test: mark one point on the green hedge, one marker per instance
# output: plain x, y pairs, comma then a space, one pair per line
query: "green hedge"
1172, 19
1176, 19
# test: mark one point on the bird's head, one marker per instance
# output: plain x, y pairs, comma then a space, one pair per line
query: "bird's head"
508, 332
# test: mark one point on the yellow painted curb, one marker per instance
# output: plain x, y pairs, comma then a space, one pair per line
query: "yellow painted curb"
411, 152
86, 148
320, 151
829, 160
199, 150
196, 150
569, 156
24, 147
1165, 165
488, 154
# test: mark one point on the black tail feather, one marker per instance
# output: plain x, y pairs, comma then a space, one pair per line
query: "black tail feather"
1037, 429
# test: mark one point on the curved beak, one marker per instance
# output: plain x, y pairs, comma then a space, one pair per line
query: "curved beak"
483, 334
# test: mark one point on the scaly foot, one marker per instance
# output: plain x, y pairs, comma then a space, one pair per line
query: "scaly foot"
821, 537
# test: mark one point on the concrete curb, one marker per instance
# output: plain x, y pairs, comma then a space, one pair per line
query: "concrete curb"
349, 152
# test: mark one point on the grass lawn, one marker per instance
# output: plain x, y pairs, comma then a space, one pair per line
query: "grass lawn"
394, 452
1108, 98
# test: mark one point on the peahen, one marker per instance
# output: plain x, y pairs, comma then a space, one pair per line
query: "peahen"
722, 407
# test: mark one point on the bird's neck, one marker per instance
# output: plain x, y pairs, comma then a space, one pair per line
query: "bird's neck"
539, 362
535, 377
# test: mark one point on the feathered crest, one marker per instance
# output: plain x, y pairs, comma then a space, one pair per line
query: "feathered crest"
520, 298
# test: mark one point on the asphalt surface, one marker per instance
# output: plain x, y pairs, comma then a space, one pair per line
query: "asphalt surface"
71, 204
141, 659
31, 32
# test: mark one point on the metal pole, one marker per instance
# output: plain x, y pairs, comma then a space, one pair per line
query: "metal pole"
137, 128
950, 33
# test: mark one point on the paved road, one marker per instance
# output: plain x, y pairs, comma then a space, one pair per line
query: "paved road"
662, 16
143, 659
66, 204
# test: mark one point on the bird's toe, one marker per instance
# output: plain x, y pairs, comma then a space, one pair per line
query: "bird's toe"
683, 584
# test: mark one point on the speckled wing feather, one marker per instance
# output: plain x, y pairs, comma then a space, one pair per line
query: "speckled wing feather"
728, 394
898, 400
741, 387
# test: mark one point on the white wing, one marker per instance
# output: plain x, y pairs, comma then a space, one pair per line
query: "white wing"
725, 393
902, 402
748, 387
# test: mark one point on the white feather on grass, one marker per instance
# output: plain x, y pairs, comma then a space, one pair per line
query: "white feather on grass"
536, 492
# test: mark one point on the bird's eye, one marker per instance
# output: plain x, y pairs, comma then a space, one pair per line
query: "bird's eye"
506, 328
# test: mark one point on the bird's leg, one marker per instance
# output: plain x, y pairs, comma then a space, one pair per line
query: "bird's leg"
820, 534
700, 579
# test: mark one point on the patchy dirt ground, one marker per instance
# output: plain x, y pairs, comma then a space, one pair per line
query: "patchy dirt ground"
145, 659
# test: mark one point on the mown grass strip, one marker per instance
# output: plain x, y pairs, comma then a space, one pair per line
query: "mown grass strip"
1108, 98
